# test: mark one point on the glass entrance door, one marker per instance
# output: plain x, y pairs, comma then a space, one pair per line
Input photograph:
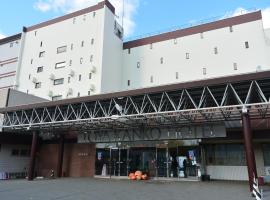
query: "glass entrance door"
163, 162
119, 164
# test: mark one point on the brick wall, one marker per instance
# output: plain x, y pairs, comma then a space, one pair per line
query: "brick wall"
79, 160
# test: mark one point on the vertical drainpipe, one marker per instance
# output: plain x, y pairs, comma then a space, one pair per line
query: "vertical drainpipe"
18, 69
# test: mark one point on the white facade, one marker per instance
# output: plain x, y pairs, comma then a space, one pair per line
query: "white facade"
9, 51
91, 53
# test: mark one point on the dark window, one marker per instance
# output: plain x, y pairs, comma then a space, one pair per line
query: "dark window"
82, 44
90, 75
40, 69
216, 50
71, 47
41, 44
41, 54
176, 75
204, 71
81, 60
80, 77
128, 82
246, 45
11, 44
70, 62
68, 79
161, 60
38, 85
29, 76
138, 64
266, 154
35, 33
15, 152
151, 79
187, 55
235, 66
79, 94
231, 29
31, 61
91, 58
58, 81
25, 152
92, 41
94, 14
89, 92
129, 51
202, 36
151, 46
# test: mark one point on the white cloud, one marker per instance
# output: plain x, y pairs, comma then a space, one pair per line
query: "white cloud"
266, 17
67, 6
2, 35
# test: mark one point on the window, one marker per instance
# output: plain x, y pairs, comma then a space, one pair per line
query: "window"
70, 62
246, 45
60, 65
74, 20
29, 76
176, 75
161, 60
35, 33
58, 81
11, 44
15, 152
216, 50
84, 17
40, 69
128, 82
80, 77
91, 58
225, 154
175, 41
138, 64
235, 66
31, 61
61, 49
90, 75
38, 85
81, 60
231, 29
89, 92
266, 154
79, 94
94, 14
41, 44
92, 41
25, 152
82, 43
56, 98
204, 71
151, 79
41, 54
151, 46
129, 51
69, 79
187, 55
201, 35
71, 47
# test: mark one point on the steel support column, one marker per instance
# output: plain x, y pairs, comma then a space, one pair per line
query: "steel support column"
250, 157
31, 169
60, 155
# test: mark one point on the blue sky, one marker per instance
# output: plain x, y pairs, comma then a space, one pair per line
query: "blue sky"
141, 16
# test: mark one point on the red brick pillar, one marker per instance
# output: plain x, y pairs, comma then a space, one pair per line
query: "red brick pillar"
31, 169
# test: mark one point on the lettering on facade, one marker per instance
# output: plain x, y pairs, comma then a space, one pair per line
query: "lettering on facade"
153, 134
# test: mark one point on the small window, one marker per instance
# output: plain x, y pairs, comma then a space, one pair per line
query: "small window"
138, 64
70, 62
90, 75
58, 81
71, 47
92, 41
57, 97
81, 60
15, 152
128, 82
94, 14
61, 49
41, 44
91, 58
246, 45
25, 152
11, 44
80, 77
151, 79
231, 29
27, 91
204, 71
40, 69
79, 94
89, 92
201, 35
161, 60
82, 43
41, 54
176, 75
29, 76
31, 61
84, 17
187, 55
60, 65
74, 20
69, 79
151, 46
38, 85
175, 41
235, 66
35, 33
129, 51
216, 50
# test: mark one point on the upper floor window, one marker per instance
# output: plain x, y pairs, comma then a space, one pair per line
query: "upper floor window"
38, 85
60, 65
176, 75
82, 43
215, 50
74, 20
81, 60
71, 47
31, 61
41, 44
90, 75
151, 46
94, 14
128, 82
187, 55
204, 71
57, 97
58, 81
231, 29
80, 77
138, 64
161, 60
91, 58
129, 51
246, 44
70, 62
235, 66
151, 79
84, 17
62, 49
11, 44
201, 35
35, 33
41, 54
40, 69
92, 41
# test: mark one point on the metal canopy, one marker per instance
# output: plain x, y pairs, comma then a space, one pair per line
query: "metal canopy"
186, 106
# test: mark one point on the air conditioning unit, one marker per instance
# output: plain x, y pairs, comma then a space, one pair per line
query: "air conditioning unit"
70, 91
52, 77
71, 73
92, 87
34, 80
93, 69
50, 93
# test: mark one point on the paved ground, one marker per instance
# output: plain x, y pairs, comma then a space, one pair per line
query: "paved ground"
99, 189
